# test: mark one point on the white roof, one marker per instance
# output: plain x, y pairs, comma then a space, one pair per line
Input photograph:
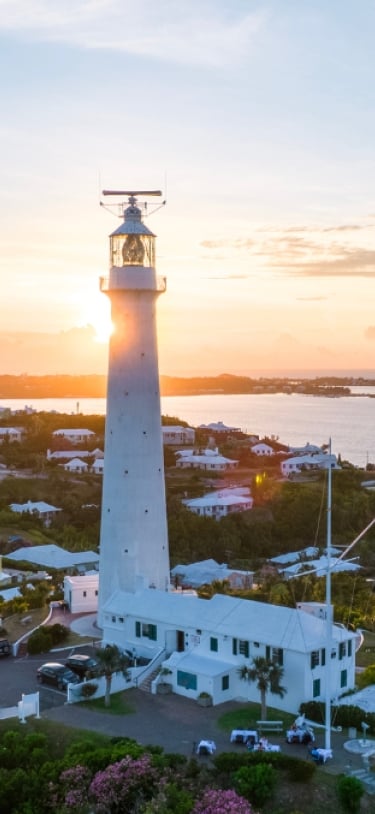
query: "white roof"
276, 626
216, 499
295, 556
10, 593
52, 556
202, 573
209, 456
218, 426
73, 432
38, 506
319, 567
75, 462
193, 663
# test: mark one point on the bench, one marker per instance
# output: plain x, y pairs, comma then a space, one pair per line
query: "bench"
270, 726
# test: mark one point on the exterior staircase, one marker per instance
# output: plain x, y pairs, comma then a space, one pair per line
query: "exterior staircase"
145, 686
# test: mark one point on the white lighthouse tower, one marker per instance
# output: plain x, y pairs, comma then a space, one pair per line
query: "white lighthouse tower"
133, 538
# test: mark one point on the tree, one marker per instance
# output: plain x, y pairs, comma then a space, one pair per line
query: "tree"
111, 661
268, 675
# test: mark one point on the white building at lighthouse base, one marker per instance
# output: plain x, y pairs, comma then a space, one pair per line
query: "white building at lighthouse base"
203, 644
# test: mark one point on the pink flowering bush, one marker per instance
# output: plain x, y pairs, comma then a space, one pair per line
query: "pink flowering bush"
219, 801
75, 783
123, 785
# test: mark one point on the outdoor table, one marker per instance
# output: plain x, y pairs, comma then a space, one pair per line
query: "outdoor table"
243, 736
206, 747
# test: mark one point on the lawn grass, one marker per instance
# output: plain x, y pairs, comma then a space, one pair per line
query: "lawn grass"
118, 706
246, 717
366, 654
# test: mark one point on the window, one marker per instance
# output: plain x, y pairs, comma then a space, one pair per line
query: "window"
244, 648
343, 678
187, 680
323, 657
84, 593
148, 631
225, 682
234, 647
213, 644
121, 619
342, 650
256, 644
350, 647
314, 659
278, 655
316, 688
268, 652
96, 593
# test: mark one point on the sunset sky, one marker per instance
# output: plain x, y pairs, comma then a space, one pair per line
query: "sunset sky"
256, 119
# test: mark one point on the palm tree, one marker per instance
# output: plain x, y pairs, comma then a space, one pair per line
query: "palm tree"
268, 675
111, 660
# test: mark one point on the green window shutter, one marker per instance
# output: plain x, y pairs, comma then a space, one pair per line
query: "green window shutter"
268, 652
138, 629
234, 647
153, 633
323, 657
316, 687
214, 644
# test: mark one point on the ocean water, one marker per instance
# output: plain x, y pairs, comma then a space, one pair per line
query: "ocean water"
294, 419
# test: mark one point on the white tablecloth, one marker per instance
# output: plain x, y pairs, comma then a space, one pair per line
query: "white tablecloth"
209, 745
244, 734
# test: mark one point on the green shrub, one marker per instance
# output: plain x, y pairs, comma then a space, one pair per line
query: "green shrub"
350, 791
39, 642
256, 783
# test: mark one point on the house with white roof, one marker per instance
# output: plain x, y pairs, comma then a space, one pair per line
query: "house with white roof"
262, 449
81, 593
193, 575
43, 510
11, 434
220, 504
75, 436
204, 643
98, 466
319, 567
219, 426
301, 463
178, 435
68, 454
76, 465
52, 556
208, 459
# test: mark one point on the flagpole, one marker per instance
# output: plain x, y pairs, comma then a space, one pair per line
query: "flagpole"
328, 608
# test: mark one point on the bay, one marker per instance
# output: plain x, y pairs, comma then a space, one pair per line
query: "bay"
294, 419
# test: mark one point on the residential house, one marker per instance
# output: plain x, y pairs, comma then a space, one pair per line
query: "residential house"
178, 435
68, 454
76, 465
75, 436
262, 449
98, 466
204, 643
52, 556
11, 434
196, 574
302, 463
42, 510
220, 504
219, 426
208, 459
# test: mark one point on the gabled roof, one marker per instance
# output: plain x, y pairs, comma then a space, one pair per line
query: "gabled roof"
273, 625
38, 506
52, 556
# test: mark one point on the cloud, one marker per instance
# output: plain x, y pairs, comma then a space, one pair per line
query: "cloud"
184, 32
74, 350
369, 333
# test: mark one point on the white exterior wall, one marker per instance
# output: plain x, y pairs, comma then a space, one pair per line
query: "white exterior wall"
133, 541
81, 593
192, 642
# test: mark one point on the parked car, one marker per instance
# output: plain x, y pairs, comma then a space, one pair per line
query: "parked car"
81, 664
56, 674
5, 647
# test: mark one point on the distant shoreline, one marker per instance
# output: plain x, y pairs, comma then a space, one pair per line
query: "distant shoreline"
94, 386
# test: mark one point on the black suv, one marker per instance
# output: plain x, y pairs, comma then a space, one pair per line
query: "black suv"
56, 674
84, 666
5, 648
